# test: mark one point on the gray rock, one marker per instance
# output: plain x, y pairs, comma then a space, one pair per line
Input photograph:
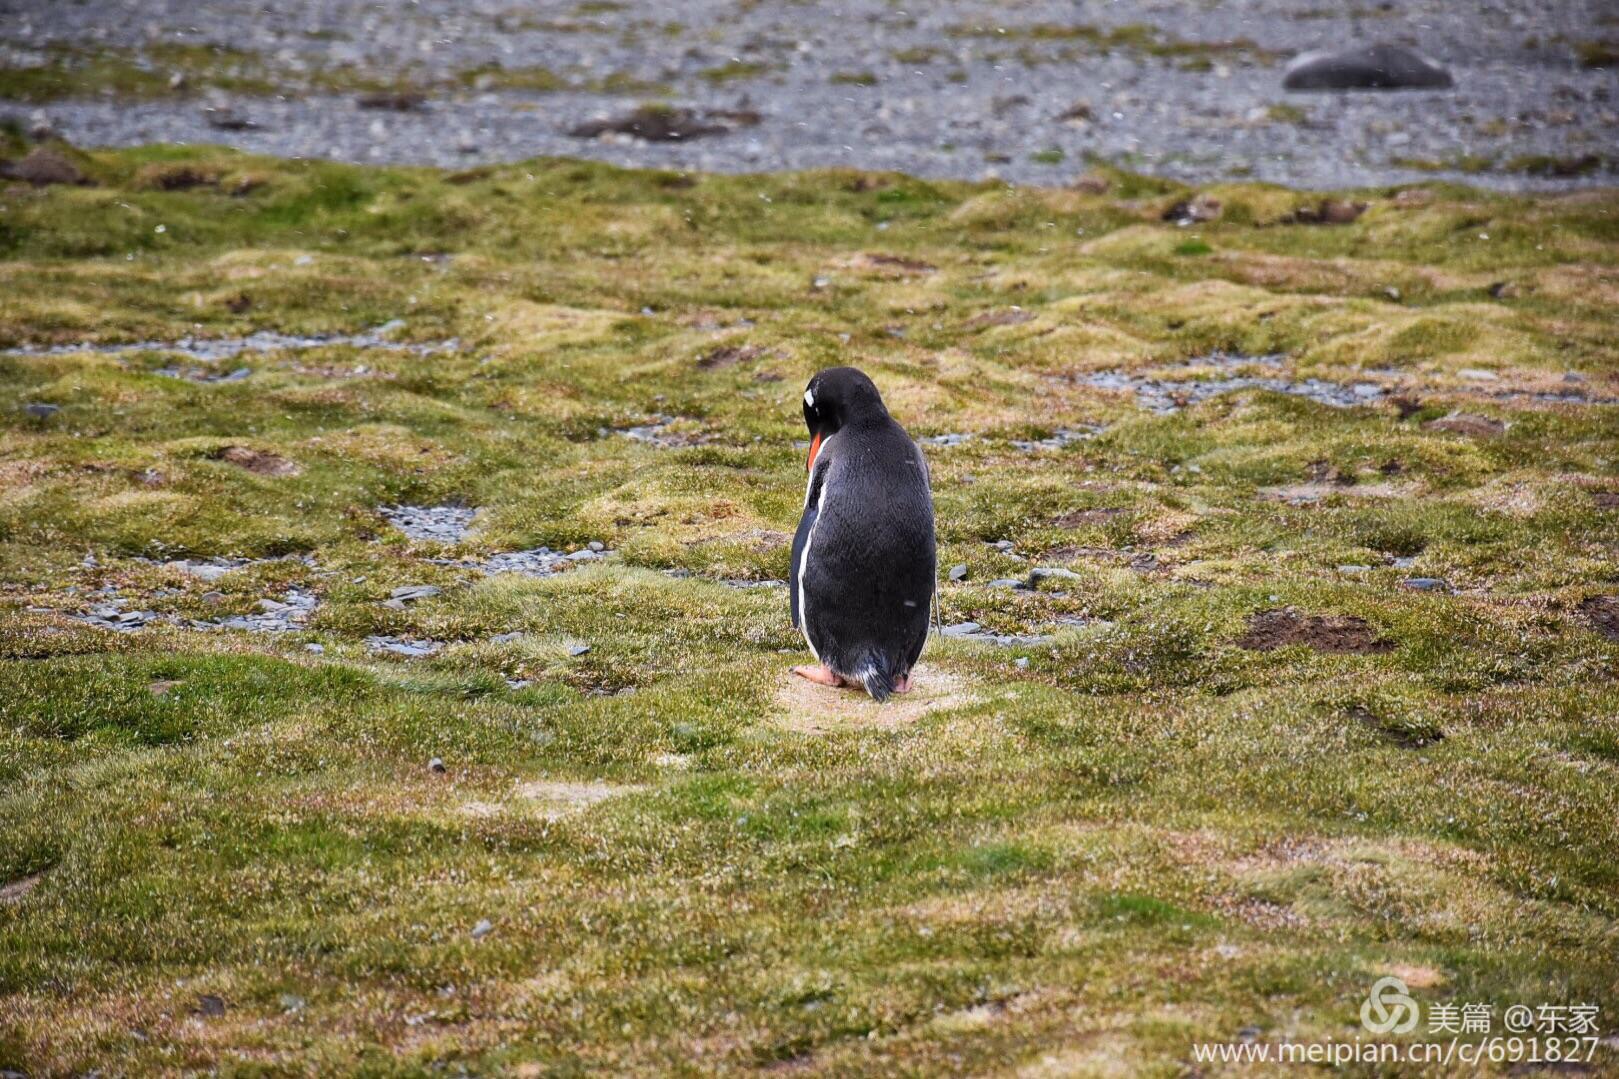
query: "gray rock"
958, 572
1041, 573
482, 929
597, 545
578, 649
1369, 67
1008, 582
414, 592
506, 638
436, 765
315, 649
1425, 584
41, 411
961, 629
399, 646
225, 118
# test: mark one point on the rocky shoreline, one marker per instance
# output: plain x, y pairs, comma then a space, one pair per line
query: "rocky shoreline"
959, 90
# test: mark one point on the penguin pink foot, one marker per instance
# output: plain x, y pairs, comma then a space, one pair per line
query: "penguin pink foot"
902, 684
820, 676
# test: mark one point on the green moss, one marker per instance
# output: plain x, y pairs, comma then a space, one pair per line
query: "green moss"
1597, 53
672, 869
918, 54
853, 78
735, 69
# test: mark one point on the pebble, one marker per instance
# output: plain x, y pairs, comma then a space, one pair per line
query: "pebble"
436, 765
1425, 584
958, 572
40, 410
482, 929
1169, 395
315, 649
506, 638
274, 616
1008, 582
1041, 573
437, 524
578, 649
1064, 436
216, 349
597, 545
399, 646
414, 592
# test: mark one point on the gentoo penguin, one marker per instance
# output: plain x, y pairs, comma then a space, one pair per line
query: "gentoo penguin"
864, 565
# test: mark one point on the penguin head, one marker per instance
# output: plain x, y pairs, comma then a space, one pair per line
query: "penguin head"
836, 398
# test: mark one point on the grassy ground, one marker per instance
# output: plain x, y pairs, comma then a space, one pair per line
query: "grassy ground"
222, 849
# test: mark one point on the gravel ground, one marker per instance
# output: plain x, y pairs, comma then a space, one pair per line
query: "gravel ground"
967, 88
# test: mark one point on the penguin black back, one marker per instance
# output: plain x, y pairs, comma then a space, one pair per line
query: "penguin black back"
863, 569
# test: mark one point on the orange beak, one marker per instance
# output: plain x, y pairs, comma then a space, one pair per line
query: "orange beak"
815, 447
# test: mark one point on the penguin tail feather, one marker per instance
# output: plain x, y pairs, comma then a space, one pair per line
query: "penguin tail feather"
880, 678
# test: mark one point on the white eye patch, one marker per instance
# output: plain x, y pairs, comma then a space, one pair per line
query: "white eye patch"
809, 398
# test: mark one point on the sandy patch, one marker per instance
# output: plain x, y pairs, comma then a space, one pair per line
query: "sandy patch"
811, 709
15, 891
1303, 493
549, 799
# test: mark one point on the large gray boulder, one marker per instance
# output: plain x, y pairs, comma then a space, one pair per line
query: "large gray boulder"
1370, 67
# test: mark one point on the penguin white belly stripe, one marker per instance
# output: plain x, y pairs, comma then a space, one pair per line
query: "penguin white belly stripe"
803, 560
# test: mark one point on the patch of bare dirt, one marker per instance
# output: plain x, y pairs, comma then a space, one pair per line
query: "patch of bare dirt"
174, 177
730, 356
807, 708
16, 891
1603, 614
44, 167
1261, 913
259, 462
550, 799
1268, 630
1086, 518
1299, 494
1012, 316
1467, 423
1326, 212
884, 265
759, 540
1606, 500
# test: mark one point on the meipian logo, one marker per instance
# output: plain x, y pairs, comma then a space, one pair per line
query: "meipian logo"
1388, 1008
